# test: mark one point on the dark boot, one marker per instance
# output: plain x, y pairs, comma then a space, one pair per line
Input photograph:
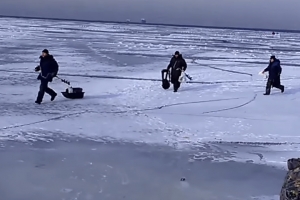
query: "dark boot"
175, 89
268, 87
40, 95
53, 97
268, 91
43, 89
282, 88
51, 92
37, 102
176, 86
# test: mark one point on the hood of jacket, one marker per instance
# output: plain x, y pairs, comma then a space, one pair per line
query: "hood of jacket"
275, 62
48, 57
293, 163
179, 56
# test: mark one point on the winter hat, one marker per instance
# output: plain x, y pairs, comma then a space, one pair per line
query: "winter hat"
273, 57
45, 51
176, 53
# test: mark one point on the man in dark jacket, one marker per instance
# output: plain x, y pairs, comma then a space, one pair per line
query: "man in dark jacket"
48, 70
274, 70
177, 64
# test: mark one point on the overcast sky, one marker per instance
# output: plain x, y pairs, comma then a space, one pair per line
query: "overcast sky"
277, 14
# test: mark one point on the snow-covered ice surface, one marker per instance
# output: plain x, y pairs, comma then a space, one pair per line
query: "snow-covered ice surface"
225, 119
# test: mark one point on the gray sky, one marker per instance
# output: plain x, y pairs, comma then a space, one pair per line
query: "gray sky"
277, 14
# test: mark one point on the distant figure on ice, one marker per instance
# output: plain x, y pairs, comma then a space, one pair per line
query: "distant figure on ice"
48, 70
291, 186
274, 70
177, 65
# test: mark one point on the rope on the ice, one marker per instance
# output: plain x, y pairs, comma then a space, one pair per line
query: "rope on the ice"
113, 112
225, 70
235, 107
194, 102
220, 110
125, 78
231, 71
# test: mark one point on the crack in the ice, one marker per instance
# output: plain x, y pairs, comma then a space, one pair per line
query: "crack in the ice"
225, 117
260, 155
231, 71
114, 112
125, 78
235, 107
41, 121
253, 143
213, 111
225, 70
194, 102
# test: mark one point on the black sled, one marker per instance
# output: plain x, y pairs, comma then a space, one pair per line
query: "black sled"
165, 78
73, 93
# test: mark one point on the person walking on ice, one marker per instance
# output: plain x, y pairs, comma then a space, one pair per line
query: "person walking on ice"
274, 70
177, 65
48, 69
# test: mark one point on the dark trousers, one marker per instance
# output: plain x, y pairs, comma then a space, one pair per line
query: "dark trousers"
44, 88
275, 82
174, 79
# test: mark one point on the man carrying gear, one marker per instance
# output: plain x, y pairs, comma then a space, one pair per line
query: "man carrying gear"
177, 65
274, 70
48, 70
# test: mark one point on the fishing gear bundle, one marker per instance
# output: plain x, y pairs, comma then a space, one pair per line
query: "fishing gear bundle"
183, 76
165, 78
188, 76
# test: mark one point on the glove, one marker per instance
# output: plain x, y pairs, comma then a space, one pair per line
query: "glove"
37, 68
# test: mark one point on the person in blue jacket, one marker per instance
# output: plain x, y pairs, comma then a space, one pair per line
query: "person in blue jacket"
274, 70
48, 70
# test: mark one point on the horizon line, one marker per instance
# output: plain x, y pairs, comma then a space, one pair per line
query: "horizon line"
150, 24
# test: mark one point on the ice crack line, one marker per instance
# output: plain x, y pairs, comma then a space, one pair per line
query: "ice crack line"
116, 112
125, 78
225, 70
195, 102
235, 107
45, 120
253, 143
